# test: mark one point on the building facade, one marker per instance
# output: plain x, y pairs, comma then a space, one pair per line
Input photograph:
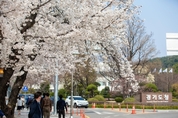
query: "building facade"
172, 44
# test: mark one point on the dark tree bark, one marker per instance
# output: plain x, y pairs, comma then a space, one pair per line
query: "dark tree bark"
4, 85
10, 107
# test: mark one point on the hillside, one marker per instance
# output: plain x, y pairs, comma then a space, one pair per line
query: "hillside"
168, 61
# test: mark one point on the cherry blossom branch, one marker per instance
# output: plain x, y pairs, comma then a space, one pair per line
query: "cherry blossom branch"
106, 6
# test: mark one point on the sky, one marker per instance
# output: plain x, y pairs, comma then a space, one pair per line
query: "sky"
160, 17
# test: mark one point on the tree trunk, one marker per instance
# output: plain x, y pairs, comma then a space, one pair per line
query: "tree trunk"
4, 85
10, 107
14, 93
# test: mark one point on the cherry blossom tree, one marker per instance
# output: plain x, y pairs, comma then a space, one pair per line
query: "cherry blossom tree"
54, 30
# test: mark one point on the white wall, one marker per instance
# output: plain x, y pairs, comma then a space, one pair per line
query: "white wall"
172, 43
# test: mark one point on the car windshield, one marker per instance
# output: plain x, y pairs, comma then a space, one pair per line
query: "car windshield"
78, 98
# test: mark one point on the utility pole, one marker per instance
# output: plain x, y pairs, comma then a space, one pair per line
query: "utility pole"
71, 100
56, 87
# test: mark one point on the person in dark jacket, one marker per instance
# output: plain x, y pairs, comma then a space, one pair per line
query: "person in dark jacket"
35, 108
61, 106
29, 101
2, 114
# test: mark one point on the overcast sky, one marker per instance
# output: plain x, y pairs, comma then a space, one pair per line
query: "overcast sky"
161, 17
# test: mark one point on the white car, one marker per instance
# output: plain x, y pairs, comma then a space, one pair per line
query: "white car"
78, 101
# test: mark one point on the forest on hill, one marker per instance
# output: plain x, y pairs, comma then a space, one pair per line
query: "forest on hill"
168, 61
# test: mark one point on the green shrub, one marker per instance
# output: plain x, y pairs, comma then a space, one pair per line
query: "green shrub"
92, 100
175, 100
130, 99
99, 98
118, 99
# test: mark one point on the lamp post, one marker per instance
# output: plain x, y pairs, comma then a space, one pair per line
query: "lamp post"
56, 88
71, 100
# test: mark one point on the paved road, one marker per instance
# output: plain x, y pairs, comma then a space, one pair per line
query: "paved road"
112, 113
115, 113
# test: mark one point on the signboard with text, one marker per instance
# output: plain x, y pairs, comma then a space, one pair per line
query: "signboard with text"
151, 97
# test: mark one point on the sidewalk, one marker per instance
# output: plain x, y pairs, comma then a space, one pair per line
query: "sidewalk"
24, 114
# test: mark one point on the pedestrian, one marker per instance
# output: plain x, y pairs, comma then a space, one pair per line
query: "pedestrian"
19, 105
29, 101
2, 114
35, 108
61, 106
41, 102
23, 102
46, 106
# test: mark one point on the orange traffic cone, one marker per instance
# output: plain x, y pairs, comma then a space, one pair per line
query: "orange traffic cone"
80, 112
77, 111
133, 110
83, 114
93, 105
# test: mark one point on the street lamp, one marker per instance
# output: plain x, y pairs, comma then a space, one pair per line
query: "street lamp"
71, 100
56, 87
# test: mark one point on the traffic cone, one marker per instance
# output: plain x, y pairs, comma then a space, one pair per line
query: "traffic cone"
154, 108
93, 105
133, 110
80, 112
83, 114
77, 111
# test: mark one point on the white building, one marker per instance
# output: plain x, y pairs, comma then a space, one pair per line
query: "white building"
172, 43
103, 82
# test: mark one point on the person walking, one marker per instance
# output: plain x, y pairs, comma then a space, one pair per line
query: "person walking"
23, 102
29, 101
19, 105
46, 106
61, 106
2, 114
35, 108
41, 102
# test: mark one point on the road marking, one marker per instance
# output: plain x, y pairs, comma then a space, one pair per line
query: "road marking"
108, 113
97, 112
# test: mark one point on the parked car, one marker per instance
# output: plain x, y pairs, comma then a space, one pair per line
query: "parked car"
78, 101
52, 99
26, 96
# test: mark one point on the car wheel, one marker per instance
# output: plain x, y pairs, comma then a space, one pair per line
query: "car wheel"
86, 107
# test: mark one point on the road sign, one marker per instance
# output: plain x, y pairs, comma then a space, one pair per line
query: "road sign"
25, 89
